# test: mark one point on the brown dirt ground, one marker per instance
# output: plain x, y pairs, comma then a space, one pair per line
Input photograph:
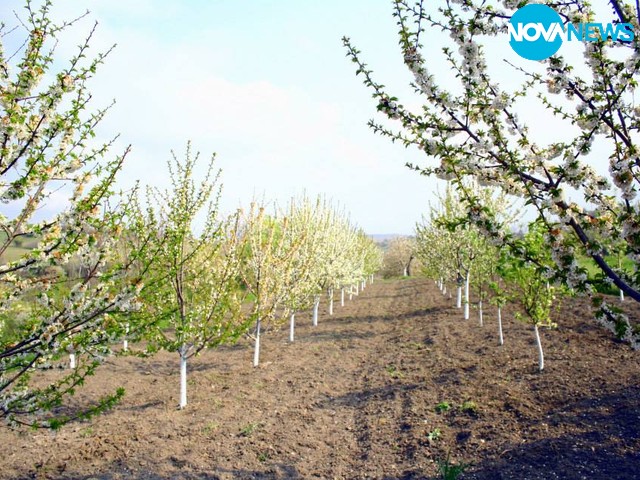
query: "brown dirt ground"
355, 398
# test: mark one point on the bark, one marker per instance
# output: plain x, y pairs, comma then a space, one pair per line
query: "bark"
316, 304
480, 313
500, 325
342, 297
292, 326
466, 295
540, 352
125, 343
183, 377
256, 352
331, 301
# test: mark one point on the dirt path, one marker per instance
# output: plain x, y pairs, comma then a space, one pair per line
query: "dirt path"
355, 397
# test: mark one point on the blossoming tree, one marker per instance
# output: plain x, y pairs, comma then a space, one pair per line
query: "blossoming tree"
400, 253
45, 146
193, 295
471, 126
268, 268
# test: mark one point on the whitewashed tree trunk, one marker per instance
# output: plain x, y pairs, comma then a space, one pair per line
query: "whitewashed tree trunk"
371, 278
125, 343
362, 285
357, 290
621, 296
466, 296
342, 297
316, 304
292, 326
405, 273
331, 301
183, 377
500, 325
480, 313
72, 361
459, 297
351, 293
256, 352
444, 290
540, 352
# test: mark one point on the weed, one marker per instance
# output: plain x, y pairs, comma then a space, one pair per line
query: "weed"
393, 371
250, 428
449, 470
263, 457
434, 435
209, 428
469, 407
443, 407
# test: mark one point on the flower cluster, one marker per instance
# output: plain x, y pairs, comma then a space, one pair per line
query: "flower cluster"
479, 130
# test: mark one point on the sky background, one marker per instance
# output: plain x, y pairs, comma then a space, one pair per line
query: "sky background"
264, 84
267, 86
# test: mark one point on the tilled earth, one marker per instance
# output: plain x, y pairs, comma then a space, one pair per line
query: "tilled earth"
356, 397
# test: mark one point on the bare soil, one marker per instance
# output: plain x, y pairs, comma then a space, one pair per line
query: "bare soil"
356, 398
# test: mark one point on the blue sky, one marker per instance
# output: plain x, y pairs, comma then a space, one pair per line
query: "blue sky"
266, 85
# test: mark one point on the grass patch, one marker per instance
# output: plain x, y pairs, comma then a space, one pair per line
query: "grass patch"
443, 407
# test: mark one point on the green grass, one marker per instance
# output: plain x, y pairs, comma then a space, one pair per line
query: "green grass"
20, 246
443, 407
12, 254
595, 275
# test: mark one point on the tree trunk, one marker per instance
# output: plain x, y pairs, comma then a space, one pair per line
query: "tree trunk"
72, 361
183, 377
466, 296
540, 352
292, 326
459, 297
500, 325
342, 297
256, 352
316, 304
480, 313
125, 343
444, 290
371, 278
621, 296
405, 273
331, 301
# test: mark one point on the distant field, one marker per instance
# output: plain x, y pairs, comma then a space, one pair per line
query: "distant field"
595, 274
12, 254
18, 248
